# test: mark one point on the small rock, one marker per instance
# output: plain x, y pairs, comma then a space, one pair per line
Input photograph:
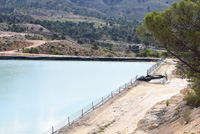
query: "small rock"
153, 126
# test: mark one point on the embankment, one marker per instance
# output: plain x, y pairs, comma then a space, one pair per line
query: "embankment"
122, 114
68, 58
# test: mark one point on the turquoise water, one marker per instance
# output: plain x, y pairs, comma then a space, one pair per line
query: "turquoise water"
35, 95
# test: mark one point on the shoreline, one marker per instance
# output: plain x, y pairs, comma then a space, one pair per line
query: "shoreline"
77, 58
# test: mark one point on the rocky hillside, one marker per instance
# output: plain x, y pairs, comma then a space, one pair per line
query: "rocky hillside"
171, 116
73, 49
12, 43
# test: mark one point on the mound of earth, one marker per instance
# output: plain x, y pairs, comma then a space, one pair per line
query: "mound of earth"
35, 27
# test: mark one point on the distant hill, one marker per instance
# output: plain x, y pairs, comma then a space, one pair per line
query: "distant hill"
132, 9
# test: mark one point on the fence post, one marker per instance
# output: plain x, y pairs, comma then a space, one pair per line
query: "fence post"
102, 100
119, 89
111, 94
136, 77
92, 105
125, 85
82, 112
52, 130
68, 122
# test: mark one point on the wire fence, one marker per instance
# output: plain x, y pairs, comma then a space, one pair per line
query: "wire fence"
151, 69
93, 105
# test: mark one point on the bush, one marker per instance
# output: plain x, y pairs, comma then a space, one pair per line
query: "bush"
16, 28
30, 50
33, 37
165, 54
95, 46
193, 99
167, 103
80, 41
57, 53
109, 55
148, 53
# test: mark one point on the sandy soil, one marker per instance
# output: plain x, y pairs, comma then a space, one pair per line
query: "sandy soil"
121, 115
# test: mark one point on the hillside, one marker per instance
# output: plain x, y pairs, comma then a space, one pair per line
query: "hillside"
131, 9
108, 23
86, 30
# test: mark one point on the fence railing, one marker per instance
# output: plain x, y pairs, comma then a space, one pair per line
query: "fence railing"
151, 69
93, 105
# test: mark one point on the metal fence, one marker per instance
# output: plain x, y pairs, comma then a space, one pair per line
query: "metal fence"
93, 105
151, 69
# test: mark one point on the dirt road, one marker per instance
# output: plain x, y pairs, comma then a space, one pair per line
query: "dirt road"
36, 43
121, 115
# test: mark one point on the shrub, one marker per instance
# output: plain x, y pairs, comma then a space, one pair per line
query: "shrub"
193, 99
33, 37
16, 28
165, 54
76, 53
57, 53
167, 103
186, 116
109, 55
148, 53
30, 50
80, 41
95, 46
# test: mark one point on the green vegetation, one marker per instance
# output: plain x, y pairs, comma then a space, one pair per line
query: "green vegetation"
134, 48
58, 53
148, 53
115, 29
193, 99
55, 37
80, 41
94, 46
30, 50
109, 46
15, 18
151, 53
94, 8
102, 128
177, 29
16, 28
167, 103
29, 37
87, 31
